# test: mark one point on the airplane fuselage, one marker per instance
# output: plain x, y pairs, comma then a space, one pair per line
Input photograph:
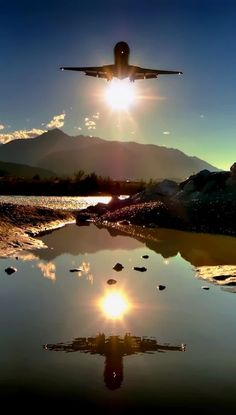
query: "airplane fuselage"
121, 58
120, 68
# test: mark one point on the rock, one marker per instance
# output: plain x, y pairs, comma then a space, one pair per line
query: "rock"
83, 217
17, 258
10, 270
118, 267
140, 269
111, 281
166, 188
189, 187
124, 222
161, 287
145, 256
197, 181
233, 170
116, 203
204, 287
75, 270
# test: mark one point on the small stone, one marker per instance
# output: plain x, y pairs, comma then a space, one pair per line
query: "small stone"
161, 287
140, 269
124, 222
111, 281
145, 256
204, 287
118, 267
75, 270
10, 270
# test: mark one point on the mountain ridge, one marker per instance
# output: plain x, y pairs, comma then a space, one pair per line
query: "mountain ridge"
56, 151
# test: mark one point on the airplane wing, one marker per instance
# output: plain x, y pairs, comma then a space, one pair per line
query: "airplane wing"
146, 73
96, 71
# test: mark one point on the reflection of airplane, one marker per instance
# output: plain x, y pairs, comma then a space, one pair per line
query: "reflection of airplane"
121, 68
114, 348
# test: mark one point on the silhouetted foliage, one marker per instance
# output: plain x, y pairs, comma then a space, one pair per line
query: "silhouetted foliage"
76, 185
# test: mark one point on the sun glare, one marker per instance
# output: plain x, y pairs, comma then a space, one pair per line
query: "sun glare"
120, 94
114, 305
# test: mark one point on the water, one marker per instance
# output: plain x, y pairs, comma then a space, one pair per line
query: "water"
44, 304
56, 202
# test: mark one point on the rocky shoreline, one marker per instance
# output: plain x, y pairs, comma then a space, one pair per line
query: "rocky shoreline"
20, 224
205, 202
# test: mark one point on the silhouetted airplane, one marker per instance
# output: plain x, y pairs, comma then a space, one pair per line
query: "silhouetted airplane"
121, 68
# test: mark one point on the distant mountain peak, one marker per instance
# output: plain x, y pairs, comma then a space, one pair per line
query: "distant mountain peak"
120, 160
54, 132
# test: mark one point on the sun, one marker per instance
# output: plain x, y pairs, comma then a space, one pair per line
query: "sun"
120, 94
114, 305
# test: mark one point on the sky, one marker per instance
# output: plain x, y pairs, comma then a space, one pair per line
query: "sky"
195, 112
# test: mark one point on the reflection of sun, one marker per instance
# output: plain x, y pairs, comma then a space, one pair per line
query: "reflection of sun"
114, 305
120, 95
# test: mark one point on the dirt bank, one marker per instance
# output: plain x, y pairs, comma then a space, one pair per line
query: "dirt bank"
20, 224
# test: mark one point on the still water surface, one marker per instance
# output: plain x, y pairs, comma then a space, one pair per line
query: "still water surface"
176, 347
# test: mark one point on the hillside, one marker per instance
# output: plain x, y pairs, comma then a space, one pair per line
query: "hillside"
64, 154
24, 171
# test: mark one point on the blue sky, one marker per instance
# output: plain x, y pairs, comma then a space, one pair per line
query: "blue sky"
197, 112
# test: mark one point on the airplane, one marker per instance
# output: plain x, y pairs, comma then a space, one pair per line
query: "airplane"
121, 68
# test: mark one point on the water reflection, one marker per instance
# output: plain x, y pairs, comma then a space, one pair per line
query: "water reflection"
81, 240
114, 305
114, 348
48, 270
207, 253
197, 248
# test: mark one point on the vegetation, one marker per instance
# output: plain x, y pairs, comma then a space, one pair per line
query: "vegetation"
76, 185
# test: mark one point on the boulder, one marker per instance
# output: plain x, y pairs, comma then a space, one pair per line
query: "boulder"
197, 181
166, 188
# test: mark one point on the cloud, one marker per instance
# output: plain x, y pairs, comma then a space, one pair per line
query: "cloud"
166, 132
48, 270
57, 121
202, 115
20, 134
90, 124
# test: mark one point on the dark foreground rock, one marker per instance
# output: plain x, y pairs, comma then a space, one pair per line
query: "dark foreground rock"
205, 202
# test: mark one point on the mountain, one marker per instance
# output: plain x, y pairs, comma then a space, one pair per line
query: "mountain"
24, 171
64, 154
